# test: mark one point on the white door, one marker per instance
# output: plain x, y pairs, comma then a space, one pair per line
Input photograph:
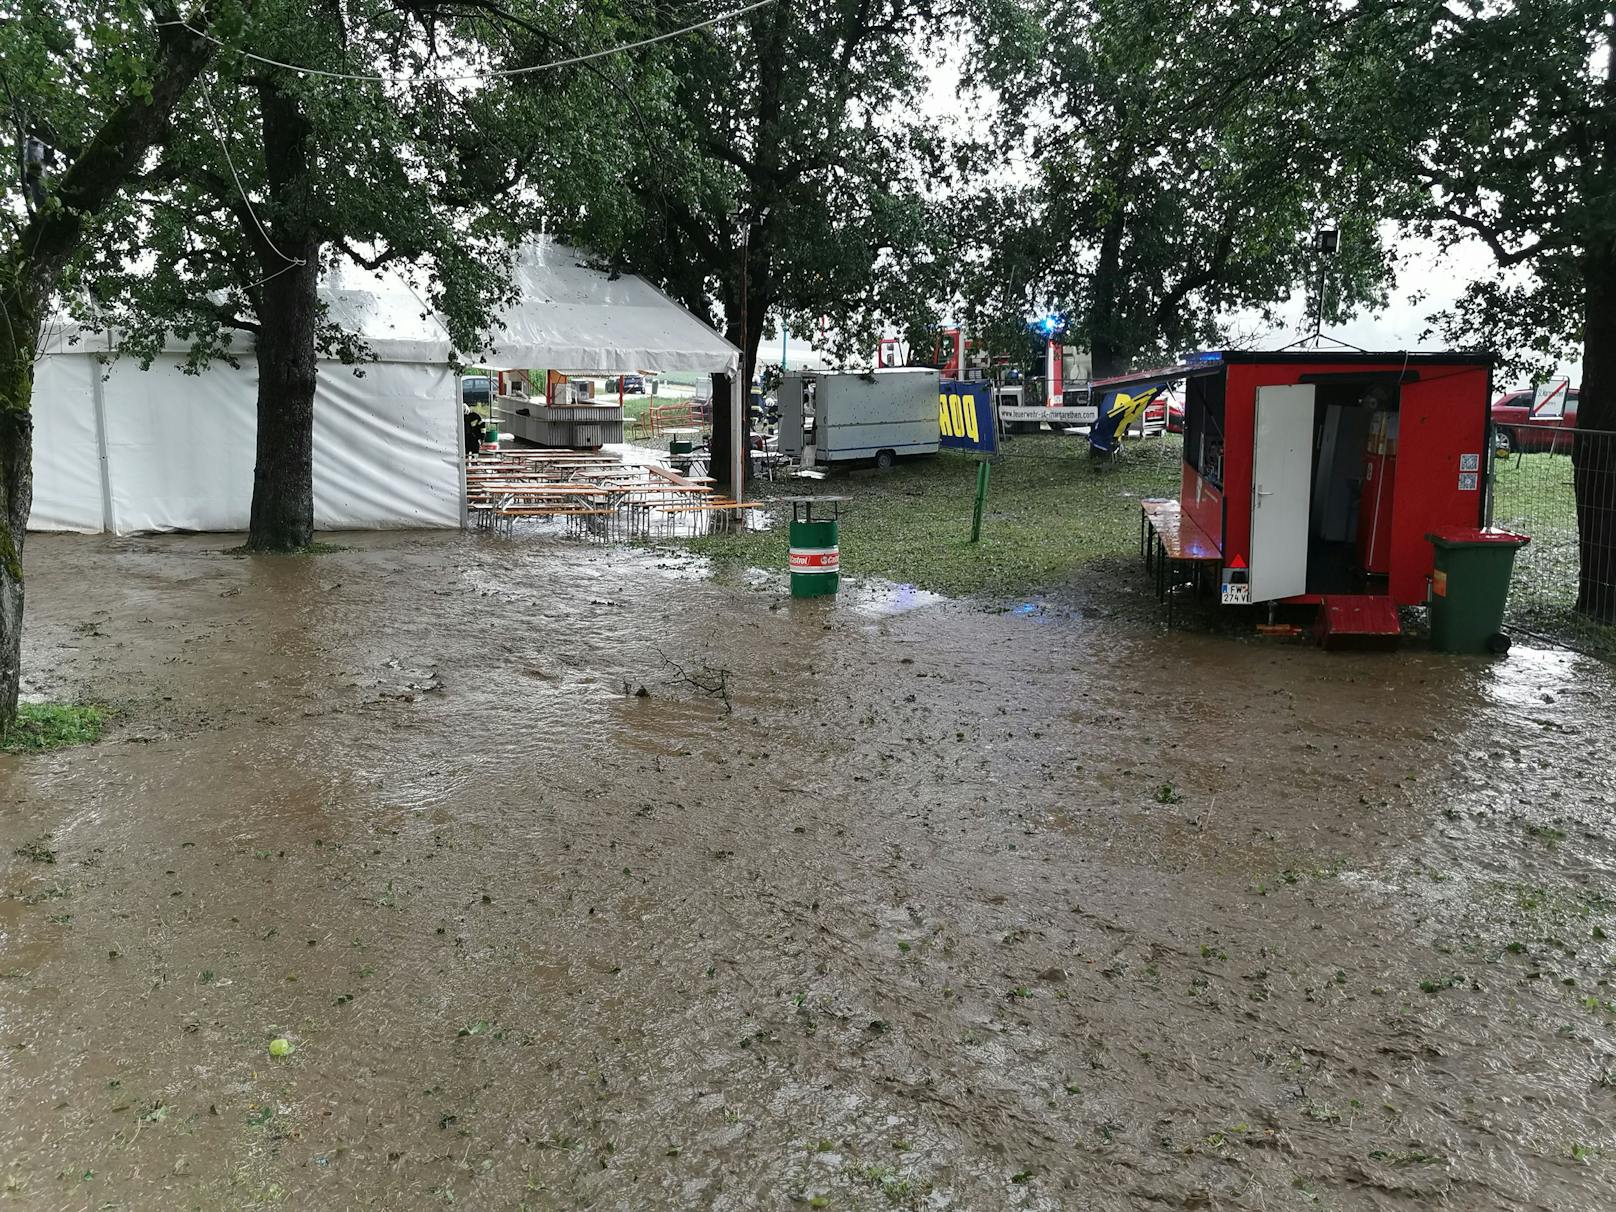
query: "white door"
1281, 485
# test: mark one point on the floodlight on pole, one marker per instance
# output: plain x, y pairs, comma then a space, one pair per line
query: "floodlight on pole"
1326, 243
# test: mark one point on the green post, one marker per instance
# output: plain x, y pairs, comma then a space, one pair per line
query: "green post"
982, 470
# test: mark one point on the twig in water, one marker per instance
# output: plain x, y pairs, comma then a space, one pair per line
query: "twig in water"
708, 680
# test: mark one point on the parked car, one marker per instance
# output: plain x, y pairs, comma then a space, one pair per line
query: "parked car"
630, 385
1516, 429
476, 389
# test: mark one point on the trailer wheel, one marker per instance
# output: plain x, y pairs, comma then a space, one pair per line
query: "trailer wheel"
886, 460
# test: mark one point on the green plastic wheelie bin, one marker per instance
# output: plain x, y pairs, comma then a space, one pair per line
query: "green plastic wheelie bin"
1469, 586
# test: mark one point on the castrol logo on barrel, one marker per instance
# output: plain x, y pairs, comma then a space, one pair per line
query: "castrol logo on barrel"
815, 559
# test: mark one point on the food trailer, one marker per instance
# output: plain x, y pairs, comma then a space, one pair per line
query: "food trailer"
829, 418
1314, 476
565, 413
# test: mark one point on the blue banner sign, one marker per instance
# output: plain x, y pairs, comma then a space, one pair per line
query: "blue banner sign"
1118, 410
965, 418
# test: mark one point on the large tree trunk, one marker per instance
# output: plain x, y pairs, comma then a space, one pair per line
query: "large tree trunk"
1104, 320
288, 314
283, 479
1593, 454
30, 271
16, 496
720, 444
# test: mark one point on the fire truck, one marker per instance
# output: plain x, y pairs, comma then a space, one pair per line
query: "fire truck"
1039, 381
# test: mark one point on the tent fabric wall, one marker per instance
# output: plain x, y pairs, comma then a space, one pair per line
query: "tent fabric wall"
67, 453
387, 447
181, 448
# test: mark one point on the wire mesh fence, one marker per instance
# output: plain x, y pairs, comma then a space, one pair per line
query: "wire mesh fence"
1558, 485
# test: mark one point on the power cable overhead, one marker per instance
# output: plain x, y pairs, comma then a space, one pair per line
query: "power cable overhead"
497, 74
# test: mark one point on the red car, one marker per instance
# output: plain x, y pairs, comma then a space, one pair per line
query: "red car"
1516, 429
1169, 404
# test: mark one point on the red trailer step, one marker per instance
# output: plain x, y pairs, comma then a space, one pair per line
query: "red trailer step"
1358, 620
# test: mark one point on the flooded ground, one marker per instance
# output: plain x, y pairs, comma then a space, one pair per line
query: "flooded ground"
918, 905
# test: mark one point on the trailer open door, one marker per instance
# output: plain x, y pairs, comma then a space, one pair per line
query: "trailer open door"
1281, 491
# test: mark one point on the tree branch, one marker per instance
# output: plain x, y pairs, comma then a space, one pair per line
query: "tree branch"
385, 257
685, 220
113, 154
229, 319
1491, 237
1207, 275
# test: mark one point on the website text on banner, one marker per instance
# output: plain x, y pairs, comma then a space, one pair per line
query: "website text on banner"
965, 418
1074, 409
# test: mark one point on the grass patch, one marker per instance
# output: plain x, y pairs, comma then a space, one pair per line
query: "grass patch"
1051, 509
42, 726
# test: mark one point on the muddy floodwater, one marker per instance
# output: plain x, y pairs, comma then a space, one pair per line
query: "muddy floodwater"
916, 904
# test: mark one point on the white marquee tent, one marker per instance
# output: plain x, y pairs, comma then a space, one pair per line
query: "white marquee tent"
124, 450
574, 319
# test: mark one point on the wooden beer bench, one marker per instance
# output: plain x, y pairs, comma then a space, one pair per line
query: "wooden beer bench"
1172, 546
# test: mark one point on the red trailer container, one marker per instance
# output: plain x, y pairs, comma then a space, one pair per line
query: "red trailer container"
1317, 475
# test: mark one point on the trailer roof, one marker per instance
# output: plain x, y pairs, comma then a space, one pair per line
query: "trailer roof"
1213, 362
1460, 357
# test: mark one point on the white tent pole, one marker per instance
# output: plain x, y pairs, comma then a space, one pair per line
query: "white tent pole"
738, 453
98, 396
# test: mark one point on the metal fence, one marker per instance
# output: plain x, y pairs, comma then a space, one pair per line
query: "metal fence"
1565, 579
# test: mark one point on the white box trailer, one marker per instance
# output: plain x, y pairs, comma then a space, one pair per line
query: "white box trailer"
879, 416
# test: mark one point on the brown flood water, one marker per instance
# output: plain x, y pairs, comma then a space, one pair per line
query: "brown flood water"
947, 909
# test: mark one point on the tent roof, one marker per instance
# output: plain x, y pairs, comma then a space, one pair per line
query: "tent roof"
387, 314
381, 307
566, 316
570, 317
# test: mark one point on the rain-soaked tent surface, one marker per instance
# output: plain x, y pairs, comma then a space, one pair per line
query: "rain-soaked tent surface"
571, 317
127, 450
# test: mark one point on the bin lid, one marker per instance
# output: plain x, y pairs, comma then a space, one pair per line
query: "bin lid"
1476, 536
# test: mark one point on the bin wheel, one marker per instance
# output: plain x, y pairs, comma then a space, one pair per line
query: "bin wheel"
1498, 643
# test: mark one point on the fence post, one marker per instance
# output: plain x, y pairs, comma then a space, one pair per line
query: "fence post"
1492, 472
982, 470
1535, 492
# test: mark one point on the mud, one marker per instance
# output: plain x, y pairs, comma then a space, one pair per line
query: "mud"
934, 907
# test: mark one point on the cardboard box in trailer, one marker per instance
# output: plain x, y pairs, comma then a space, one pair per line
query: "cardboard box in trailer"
879, 416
